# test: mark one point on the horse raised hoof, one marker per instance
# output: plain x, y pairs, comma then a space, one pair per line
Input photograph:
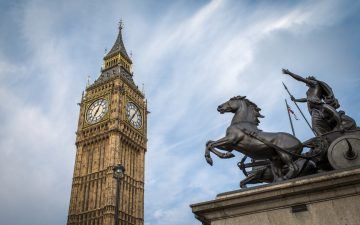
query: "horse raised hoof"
243, 185
209, 160
228, 155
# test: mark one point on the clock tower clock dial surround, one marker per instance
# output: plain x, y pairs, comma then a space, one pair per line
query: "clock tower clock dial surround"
110, 133
96, 111
133, 115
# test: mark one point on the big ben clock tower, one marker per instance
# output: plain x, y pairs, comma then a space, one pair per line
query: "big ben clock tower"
111, 130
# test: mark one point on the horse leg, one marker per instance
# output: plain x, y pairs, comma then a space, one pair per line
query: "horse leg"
221, 145
217, 152
247, 180
209, 148
207, 155
293, 168
276, 169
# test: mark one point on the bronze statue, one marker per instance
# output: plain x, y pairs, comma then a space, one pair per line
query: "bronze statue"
244, 136
261, 170
321, 103
278, 156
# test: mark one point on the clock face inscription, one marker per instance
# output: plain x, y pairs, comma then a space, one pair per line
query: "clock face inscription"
133, 114
97, 111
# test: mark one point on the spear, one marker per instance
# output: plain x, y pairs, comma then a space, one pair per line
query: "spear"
291, 96
291, 123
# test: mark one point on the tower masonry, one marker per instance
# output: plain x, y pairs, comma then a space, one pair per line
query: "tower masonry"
112, 129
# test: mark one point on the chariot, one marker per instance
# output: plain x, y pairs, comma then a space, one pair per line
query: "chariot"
332, 150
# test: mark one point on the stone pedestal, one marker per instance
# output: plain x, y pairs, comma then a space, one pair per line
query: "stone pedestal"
331, 198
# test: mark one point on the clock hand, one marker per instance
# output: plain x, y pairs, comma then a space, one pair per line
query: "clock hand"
97, 110
132, 117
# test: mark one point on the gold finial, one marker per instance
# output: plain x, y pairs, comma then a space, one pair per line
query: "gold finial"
121, 24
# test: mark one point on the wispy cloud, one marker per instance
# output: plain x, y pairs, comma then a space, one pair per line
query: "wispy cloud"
191, 58
206, 59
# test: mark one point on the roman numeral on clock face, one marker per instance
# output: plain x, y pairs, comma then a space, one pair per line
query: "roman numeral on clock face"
97, 111
133, 114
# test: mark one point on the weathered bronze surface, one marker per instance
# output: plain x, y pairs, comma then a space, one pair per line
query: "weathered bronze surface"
344, 151
244, 136
279, 156
322, 106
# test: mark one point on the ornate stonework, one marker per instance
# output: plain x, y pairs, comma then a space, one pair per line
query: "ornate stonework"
106, 139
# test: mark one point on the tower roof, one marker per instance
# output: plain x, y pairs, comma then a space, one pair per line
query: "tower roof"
117, 63
118, 46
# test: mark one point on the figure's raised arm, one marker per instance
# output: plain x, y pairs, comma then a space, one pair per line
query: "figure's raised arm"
296, 77
298, 99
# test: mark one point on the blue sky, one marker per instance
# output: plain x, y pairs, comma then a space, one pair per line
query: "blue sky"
191, 56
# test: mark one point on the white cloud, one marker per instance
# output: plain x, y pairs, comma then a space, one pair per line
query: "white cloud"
190, 61
211, 57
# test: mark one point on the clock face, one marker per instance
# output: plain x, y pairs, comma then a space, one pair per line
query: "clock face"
133, 114
96, 111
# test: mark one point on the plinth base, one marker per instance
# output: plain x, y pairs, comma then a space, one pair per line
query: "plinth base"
331, 198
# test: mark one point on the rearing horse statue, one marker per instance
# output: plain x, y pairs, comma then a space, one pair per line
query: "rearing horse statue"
240, 136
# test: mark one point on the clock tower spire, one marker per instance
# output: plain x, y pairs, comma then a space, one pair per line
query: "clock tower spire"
118, 47
112, 129
117, 61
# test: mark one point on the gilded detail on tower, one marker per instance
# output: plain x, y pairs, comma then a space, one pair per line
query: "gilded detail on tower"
116, 59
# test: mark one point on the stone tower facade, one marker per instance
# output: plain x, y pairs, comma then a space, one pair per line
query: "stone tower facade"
111, 130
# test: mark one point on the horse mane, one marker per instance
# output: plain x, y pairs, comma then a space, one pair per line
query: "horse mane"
251, 105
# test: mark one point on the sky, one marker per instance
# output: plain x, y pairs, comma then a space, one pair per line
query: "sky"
191, 56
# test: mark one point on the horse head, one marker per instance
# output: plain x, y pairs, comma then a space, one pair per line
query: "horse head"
231, 106
244, 109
